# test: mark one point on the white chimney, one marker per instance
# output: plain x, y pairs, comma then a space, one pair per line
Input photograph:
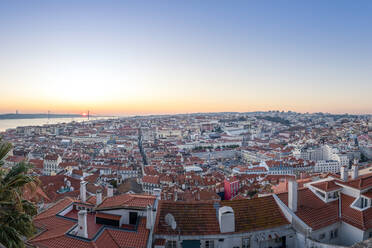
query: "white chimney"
149, 217
226, 219
98, 196
82, 224
292, 195
354, 171
198, 196
110, 191
83, 191
157, 193
344, 174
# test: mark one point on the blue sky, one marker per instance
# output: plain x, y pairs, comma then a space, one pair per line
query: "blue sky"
186, 56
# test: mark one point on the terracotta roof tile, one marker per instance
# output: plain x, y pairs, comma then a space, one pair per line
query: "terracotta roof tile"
362, 182
327, 186
127, 200
359, 219
200, 218
256, 214
312, 210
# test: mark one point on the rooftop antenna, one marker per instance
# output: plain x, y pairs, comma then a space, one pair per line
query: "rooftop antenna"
88, 115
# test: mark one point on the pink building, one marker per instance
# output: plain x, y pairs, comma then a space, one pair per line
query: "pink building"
231, 186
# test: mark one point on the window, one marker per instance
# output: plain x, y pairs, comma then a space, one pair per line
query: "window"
209, 244
246, 243
364, 202
171, 244
322, 236
370, 234
279, 240
335, 233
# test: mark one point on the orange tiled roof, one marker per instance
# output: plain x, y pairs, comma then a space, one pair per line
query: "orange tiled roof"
193, 218
327, 186
256, 214
200, 218
362, 182
59, 206
312, 210
359, 219
55, 228
127, 200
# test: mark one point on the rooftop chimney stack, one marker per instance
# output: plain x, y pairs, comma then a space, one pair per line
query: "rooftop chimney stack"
98, 196
292, 195
157, 193
110, 191
149, 217
354, 171
344, 174
226, 219
82, 224
83, 191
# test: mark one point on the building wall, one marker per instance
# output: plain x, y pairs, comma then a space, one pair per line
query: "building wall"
350, 235
124, 214
235, 240
326, 231
231, 189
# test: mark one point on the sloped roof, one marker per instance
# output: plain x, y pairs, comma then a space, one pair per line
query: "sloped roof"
55, 228
312, 210
359, 219
127, 200
201, 218
256, 214
362, 182
327, 186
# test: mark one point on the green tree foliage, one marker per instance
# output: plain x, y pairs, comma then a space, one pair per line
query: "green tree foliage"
15, 212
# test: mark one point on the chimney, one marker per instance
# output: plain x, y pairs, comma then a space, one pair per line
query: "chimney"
344, 174
83, 191
198, 196
226, 219
98, 196
149, 217
292, 195
157, 193
82, 224
110, 191
354, 171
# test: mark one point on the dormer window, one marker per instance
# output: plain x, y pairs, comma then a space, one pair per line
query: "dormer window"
321, 194
333, 195
361, 203
364, 203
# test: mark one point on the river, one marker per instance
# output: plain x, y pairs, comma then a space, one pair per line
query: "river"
13, 123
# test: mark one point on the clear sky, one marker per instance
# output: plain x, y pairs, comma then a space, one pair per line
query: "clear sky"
140, 57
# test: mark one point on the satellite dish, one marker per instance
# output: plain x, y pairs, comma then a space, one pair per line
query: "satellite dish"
174, 225
169, 219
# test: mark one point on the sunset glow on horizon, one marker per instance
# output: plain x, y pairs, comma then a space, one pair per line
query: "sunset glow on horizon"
145, 57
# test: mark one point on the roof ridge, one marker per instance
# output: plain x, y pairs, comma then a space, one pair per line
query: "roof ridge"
51, 207
51, 237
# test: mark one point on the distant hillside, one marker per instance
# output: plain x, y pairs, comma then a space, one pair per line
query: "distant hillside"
35, 116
